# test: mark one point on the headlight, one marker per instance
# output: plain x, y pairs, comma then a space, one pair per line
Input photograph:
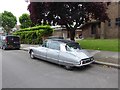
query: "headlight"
92, 58
81, 62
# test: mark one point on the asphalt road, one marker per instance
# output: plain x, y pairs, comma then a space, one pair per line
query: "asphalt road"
19, 71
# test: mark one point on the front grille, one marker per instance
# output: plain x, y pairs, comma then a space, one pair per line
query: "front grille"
87, 60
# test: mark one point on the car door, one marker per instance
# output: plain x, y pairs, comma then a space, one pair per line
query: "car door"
66, 57
42, 51
53, 51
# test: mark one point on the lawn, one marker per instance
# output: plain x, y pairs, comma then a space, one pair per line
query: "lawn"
99, 44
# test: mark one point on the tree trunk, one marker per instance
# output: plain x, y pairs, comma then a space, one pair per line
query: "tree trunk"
72, 34
102, 36
7, 32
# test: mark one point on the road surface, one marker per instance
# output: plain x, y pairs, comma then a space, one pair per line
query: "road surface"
19, 71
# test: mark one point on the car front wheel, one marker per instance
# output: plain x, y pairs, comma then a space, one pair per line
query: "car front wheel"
68, 67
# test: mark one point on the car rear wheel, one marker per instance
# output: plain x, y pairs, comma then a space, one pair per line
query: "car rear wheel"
32, 55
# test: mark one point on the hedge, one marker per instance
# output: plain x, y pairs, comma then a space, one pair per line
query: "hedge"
33, 35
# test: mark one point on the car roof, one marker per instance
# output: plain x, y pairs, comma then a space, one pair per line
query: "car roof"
63, 41
55, 37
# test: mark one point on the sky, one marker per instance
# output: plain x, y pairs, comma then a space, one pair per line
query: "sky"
17, 7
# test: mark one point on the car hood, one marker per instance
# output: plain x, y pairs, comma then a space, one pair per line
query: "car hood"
82, 54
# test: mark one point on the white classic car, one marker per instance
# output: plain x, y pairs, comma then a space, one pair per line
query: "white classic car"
64, 52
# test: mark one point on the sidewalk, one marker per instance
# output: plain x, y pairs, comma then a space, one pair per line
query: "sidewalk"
101, 57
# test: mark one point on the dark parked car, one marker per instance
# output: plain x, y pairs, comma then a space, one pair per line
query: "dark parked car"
64, 52
9, 42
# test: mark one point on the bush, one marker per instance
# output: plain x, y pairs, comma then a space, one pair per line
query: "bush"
33, 35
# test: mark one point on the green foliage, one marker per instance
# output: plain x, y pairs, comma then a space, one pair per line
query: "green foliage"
25, 21
0, 18
34, 35
8, 21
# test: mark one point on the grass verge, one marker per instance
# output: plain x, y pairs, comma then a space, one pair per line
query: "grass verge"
100, 44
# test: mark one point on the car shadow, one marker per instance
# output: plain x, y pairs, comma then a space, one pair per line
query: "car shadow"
10, 50
83, 68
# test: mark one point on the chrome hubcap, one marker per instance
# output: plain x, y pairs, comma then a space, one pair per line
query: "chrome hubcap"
32, 55
68, 67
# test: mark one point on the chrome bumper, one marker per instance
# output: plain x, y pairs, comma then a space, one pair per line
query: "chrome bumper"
79, 65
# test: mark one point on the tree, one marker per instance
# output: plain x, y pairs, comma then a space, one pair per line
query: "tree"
0, 19
8, 21
69, 14
25, 21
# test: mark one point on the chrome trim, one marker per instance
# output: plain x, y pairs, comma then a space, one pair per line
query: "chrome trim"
84, 64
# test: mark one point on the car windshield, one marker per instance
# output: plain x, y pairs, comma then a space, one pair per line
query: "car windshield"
74, 45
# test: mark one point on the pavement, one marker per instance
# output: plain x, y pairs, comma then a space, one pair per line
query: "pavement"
0, 70
107, 58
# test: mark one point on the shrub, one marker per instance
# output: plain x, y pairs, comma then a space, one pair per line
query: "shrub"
33, 35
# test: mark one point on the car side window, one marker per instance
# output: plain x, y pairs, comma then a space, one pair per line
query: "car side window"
45, 44
67, 48
54, 45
